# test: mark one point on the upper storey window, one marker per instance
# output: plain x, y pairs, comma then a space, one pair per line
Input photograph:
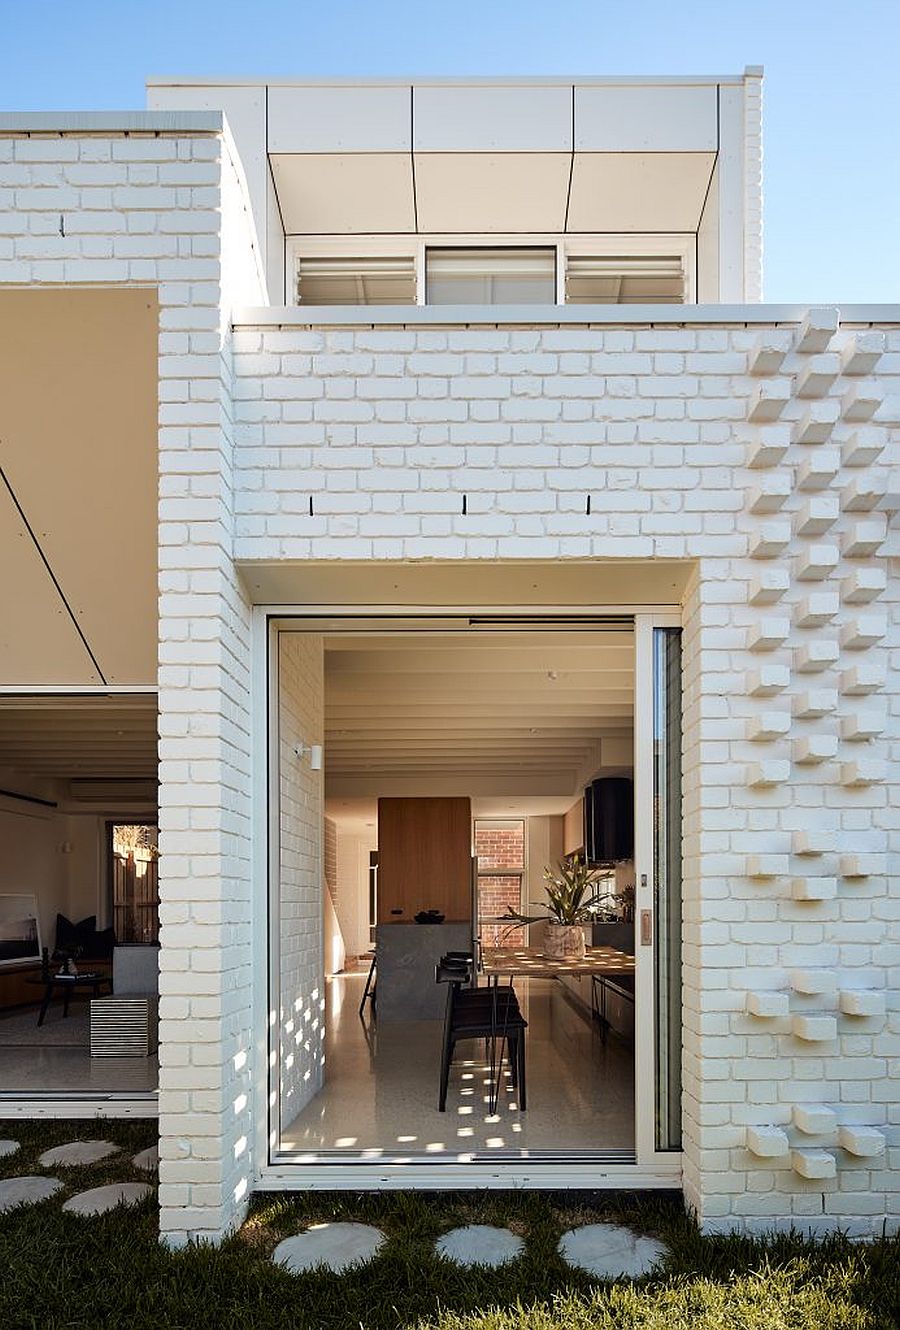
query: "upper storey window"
374, 280
400, 271
624, 281
490, 276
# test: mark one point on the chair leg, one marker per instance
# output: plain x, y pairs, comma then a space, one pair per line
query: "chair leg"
369, 988
48, 993
446, 1050
446, 1058
520, 1056
512, 1053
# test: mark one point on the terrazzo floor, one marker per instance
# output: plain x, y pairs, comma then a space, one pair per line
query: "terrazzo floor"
381, 1086
56, 1058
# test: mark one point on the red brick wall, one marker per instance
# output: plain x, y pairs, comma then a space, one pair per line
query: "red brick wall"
499, 847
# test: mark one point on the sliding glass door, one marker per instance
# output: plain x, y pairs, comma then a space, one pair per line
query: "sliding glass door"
667, 882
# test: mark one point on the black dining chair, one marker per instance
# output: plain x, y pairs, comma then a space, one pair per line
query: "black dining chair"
479, 1013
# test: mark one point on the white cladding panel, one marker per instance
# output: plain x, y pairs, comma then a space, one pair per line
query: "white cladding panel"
339, 119
493, 119
644, 118
352, 194
504, 192
638, 191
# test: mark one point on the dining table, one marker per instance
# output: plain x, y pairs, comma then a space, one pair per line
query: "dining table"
496, 963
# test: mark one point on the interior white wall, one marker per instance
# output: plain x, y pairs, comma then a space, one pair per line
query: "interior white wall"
60, 856
31, 861
543, 848
352, 898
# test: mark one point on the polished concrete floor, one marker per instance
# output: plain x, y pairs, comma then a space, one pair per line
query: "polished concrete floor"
381, 1087
55, 1059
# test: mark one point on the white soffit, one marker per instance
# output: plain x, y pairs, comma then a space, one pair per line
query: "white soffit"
38, 641
339, 119
493, 119
344, 194
662, 118
502, 192
79, 386
638, 191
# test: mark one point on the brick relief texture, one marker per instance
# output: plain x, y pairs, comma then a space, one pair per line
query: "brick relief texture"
761, 456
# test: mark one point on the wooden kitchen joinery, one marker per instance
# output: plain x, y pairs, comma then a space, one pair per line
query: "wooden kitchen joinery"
424, 858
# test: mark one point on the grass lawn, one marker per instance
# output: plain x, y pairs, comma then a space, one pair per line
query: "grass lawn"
60, 1271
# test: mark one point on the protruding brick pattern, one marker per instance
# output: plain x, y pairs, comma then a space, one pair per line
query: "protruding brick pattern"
386, 428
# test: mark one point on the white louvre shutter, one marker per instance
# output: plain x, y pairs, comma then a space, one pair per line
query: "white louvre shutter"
356, 281
651, 280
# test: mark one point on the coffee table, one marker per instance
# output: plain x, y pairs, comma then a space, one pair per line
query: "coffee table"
67, 984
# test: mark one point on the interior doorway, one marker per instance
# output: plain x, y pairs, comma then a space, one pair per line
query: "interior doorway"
519, 719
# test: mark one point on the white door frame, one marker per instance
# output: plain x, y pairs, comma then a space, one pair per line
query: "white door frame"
653, 1168
645, 1060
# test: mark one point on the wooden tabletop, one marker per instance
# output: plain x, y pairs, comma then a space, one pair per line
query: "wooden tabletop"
530, 961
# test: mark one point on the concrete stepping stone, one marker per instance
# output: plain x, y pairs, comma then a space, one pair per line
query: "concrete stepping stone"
610, 1251
26, 1191
334, 1247
99, 1200
480, 1244
8, 1148
77, 1153
147, 1160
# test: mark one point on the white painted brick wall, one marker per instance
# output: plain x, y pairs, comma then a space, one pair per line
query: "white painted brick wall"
299, 985
386, 429
147, 207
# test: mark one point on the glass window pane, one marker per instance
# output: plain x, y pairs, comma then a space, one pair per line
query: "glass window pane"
490, 276
667, 882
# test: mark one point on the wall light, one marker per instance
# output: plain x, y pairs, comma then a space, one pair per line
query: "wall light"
315, 754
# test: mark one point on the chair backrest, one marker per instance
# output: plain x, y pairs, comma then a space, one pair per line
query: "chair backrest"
456, 970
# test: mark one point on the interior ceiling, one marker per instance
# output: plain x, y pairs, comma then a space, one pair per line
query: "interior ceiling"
78, 486
60, 738
485, 714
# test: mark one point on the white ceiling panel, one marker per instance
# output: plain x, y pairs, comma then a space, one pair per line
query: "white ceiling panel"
95, 737
508, 192
644, 118
494, 707
493, 119
339, 119
345, 194
638, 191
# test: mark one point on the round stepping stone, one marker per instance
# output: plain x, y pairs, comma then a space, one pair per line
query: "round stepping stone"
480, 1244
610, 1251
100, 1199
147, 1160
8, 1148
77, 1154
335, 1247
26, 1191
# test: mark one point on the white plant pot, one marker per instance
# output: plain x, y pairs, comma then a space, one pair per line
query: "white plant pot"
564, 942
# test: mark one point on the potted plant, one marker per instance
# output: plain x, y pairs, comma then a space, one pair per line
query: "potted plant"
573, 899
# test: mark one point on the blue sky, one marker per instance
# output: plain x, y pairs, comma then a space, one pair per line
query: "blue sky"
831, 108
